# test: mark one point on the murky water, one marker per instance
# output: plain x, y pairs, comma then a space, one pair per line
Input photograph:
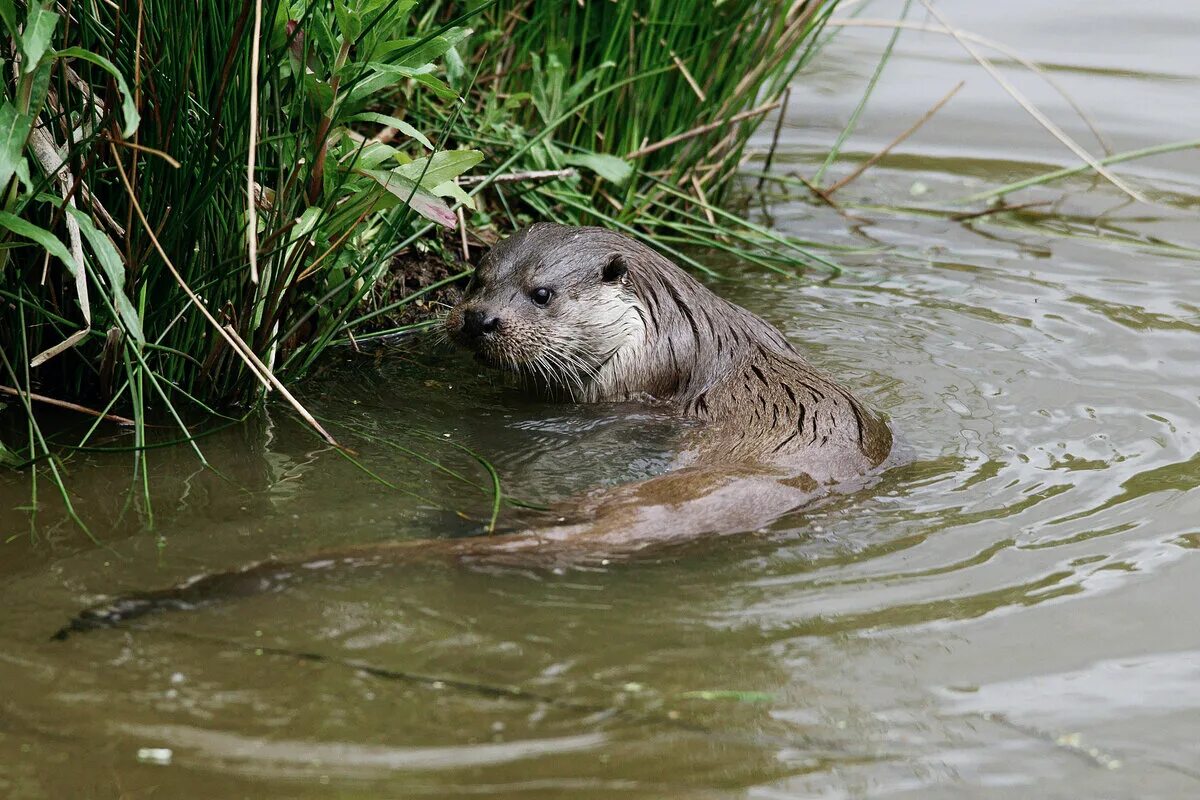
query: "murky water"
1011, 615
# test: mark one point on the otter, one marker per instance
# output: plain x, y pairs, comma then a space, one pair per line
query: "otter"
601, 317
598, 317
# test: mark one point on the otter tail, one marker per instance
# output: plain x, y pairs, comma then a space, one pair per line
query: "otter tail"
197, 592
633, 520
264, 577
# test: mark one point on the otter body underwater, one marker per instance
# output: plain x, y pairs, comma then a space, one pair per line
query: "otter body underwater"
596, 316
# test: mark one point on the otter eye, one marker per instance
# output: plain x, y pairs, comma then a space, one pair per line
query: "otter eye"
541, 295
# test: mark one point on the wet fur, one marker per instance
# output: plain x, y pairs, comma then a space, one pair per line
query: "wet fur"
659, 332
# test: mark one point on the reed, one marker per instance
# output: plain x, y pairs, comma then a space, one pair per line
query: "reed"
197, 199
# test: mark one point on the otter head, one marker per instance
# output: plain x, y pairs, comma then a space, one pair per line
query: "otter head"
553, 303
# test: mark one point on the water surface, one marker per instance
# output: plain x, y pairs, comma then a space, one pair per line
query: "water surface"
1010, 615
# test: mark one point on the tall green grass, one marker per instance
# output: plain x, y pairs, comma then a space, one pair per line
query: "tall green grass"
197, 199
651, 104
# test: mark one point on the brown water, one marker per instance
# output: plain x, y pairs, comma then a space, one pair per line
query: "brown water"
1011, 615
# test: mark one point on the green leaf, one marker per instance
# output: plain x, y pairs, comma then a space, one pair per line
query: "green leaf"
23, 175
39, 87
418, 199
372, 155
114, 270
324, 43
45, 238
611, 168
426, 52
395, 122
385, 76
7, 457
348, 21
439, 88
128, 103
452, 189
14, 131
35, 39
444, 166
8, 13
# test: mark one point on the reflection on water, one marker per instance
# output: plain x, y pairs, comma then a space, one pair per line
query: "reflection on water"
1006, 616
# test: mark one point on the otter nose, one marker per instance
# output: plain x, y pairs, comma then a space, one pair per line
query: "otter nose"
477, 323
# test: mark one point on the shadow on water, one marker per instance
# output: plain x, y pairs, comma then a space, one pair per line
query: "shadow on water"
1004, 615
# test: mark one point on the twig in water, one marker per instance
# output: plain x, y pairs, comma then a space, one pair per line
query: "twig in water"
700, 130
249, 354
1034, 111
870, 162
787, 95
50, 401
965, 215
829, 201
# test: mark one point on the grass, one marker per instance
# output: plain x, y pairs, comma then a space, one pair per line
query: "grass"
645, 108
198, 199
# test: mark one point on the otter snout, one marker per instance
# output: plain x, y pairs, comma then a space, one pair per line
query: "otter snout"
476, 323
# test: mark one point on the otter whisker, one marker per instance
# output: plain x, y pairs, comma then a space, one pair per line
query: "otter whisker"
569, 366
558, 369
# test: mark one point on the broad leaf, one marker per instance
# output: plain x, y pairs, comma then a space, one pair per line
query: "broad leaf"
14, 131
43, 237
128, 103
114, 270
35, 39
348, 20
8, 13
444, 166
395, 122
418, 199
611, 168
452, 189
420, 53
385, 76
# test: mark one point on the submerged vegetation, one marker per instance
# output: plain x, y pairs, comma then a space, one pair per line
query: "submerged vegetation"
199, 198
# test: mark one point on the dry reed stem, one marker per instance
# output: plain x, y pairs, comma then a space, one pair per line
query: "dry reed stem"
517, 177
50, 401
249, 354
991, 44
144, 149
870, 162
700, 130
251, 204
48, 156
1034, 111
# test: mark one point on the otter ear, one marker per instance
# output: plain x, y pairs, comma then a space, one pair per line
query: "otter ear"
615, 269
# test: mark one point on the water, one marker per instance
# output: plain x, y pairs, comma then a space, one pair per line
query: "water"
1010, 615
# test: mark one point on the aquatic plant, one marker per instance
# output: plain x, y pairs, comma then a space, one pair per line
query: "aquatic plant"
197, 199
632, 115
